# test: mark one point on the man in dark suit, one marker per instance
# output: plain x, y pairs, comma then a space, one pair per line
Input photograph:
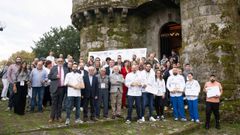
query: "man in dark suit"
90, 93
109, 69
57, 88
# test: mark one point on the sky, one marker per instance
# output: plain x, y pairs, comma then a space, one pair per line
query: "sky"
27, 20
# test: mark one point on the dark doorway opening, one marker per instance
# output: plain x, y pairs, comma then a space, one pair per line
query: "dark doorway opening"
170, 39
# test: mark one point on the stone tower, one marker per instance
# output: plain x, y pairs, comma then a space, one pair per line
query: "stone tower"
205, 33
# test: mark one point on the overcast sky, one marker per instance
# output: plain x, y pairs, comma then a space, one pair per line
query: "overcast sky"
27, 20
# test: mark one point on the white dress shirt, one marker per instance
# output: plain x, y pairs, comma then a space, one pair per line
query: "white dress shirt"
73, 79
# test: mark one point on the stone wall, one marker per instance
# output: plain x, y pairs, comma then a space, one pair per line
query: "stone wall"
112, 35
211, 43
154, 24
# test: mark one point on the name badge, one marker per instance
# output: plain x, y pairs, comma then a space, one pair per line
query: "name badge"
103, 85
22, 83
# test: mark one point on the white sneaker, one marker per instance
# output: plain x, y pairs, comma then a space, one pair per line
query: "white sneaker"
183, 119
143, 119
158, 118
67, 122
185, 107
192, 120
6, 98
74, 109
139, 121
78, 121
197, 121
3, 99
81, 109
176, 119
152, 119
128, 122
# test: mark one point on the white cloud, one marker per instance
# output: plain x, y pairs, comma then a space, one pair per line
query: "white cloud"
27, 20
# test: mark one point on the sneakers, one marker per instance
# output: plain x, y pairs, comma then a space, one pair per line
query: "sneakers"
78, 121
81, 109
3, 99
197, 121
192, 120
67, 122
143, 119
128, 122
176, 119
158, 118
183, 119
152, 119
139, 121
74, 109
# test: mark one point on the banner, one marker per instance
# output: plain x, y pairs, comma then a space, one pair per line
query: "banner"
125, 53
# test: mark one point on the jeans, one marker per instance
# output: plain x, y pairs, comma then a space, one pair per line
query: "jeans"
5, 88
137, 100
193, 109
11, 96
70, 101
102, 99
147, 99
178, 107
37, 91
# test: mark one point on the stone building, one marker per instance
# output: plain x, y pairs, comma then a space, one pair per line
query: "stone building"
205, 33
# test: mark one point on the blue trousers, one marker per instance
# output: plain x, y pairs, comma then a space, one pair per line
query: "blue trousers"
193, 109
137, 100
178, 107
70, 101
37, 91
147, 99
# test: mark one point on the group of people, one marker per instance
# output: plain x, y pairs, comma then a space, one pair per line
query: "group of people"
140, 82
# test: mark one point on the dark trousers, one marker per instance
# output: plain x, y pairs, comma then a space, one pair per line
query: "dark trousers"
57, 99
102, 99
130, 100
212, 107
11, 96
20, 98
86, 101
47, 97
147, 99
159, 105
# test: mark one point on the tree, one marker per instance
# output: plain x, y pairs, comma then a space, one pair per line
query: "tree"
59, 40
26, 56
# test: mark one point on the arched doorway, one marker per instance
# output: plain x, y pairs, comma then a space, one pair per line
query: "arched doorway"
170, 39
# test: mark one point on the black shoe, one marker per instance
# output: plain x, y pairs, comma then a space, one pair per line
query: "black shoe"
93, 119
217, 126
113, 117
85, 119
207, 126
119, 116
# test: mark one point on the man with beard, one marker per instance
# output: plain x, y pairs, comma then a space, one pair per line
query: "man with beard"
74, 82
175, 85
212, 102
11, 75
148, 79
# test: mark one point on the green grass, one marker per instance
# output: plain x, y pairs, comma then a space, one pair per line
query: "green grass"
36, 124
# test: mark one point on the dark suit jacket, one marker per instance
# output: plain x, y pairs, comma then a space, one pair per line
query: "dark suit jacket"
90, 91
53, 77
85, 72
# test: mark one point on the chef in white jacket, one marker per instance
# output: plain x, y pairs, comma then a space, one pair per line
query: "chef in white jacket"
133, 82
176, 85
160, 96
147, 97
192, 90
